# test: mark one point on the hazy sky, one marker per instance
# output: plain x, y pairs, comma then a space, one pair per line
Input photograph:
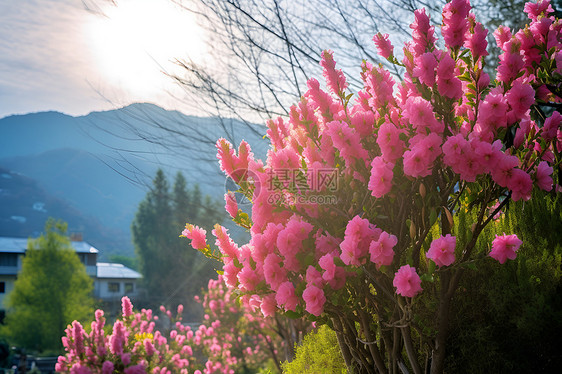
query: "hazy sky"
56, 55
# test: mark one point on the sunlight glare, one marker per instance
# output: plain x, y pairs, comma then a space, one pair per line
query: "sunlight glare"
138, 40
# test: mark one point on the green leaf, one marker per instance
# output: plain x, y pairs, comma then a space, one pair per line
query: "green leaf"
431, 267
465, 77
293, 315
432, 216
427, 278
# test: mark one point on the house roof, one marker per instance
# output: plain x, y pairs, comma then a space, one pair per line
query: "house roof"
116, 271
19, 245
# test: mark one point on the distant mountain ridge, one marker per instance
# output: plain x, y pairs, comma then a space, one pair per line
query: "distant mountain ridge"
101, 164
25, 206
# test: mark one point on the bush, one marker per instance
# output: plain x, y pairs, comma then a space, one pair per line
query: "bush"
509, 318
319, 353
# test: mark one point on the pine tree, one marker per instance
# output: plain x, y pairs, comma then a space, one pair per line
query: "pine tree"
172, 272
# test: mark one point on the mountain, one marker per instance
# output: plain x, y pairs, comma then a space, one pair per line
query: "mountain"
25, 206
85, 182
101, 165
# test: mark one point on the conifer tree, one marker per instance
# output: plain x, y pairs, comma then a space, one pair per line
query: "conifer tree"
163, 257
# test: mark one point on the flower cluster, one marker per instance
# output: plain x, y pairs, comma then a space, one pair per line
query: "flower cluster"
234, 335
133, 347
408, 156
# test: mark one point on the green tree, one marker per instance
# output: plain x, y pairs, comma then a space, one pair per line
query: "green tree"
128, 261
319, 354
52, 290
172, 272
509, 318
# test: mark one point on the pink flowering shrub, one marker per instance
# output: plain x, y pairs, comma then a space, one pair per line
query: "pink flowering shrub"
133, 346
365, 206
234, 337
237, 338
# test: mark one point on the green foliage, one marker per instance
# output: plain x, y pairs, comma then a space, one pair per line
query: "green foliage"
172, 272
130, 262
318, 354
52, 290
508, 318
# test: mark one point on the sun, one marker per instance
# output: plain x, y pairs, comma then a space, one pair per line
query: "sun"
135, 43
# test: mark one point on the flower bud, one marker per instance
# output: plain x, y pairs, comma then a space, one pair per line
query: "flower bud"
449, 217
412, 230
422, 190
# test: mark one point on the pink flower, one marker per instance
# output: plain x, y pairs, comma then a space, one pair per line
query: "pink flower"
326, 262
126, 358
418, 162
230, 274
362, 121
388, 139
358, 235
248, 279
504, 247
197, 235
502, 35
231, 204
268, 305
551, 126
455, 22
422, 34
407, 281
522, 132
420, 114
149, 347
335, 80
232, 165
543, 176
320, 99
447, 83
535, 10
127, 307
274, 273
286, 296
520, 98
511, 62
477, 42
381, 250
380, 182
453, 151
226, 245
415, 163
347, 141
77, 368
118, 339
313, 276
520, 184
384, 46
78, 336
379, 83
487, 154
504, 169
107, 367
135, 369
442, 250
314, 299
492, 111
290, 241
424, 69
277, 132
